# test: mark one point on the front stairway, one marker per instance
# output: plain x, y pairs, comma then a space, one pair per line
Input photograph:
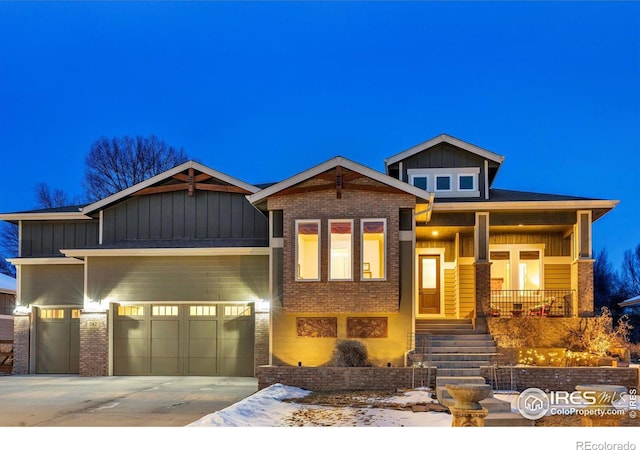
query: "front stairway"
453, 347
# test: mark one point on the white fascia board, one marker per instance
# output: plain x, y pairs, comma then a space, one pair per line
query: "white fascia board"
444, 138
45, 216
330, 164
217, 251
163, 176
43, 261
522, 206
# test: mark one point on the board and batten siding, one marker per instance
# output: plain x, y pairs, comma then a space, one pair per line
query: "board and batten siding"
46, 238
176, 279
175, 215
52, 284
450, 293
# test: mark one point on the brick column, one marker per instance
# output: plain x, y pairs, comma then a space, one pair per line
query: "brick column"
94, 344
21, 333
261, 344
483, 289
582, 284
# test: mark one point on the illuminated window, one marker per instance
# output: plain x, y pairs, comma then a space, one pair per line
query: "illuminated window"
374, 249
237, 310
202, 310
52, 313
516, 269
75, 313
341, 249
130, 310
163, 310
308, 250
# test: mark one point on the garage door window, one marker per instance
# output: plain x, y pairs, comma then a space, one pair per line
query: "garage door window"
202, 310
163, 310
75, 313
243, 310
52, 313
129, 310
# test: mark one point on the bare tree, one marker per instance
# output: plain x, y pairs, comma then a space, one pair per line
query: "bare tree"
605, 281
50, 198
118, 163
631, 272
9, 247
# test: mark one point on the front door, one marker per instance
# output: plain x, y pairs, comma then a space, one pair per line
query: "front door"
429, 284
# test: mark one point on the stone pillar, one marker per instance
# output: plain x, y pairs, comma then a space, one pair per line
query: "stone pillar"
94, 343
21, 334
582, 285
468, 417
261, 343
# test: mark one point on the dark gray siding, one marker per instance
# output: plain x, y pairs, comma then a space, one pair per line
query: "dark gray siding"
174, 279
46, 238
175, 215
49, 285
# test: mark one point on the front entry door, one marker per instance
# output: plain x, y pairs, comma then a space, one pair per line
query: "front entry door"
429, 284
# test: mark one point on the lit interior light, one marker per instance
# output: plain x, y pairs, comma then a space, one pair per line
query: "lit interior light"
435, 233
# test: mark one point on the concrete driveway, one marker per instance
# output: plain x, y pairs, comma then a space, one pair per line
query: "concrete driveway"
57, 401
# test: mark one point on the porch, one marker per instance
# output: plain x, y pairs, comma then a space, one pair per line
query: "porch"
532, 303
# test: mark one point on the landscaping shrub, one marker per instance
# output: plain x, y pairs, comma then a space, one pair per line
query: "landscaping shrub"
349, 353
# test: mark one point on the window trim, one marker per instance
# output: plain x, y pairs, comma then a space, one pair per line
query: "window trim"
351, 250
295, 266
386, 250
474, 178
514, 259
412, 178
443, 175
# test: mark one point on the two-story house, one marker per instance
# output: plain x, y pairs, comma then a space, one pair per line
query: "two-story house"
195, 272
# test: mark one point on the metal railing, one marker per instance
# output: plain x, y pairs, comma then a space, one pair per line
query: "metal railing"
532, 303
419, 354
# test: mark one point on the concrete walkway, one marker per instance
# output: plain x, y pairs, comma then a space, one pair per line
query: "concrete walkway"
57, 401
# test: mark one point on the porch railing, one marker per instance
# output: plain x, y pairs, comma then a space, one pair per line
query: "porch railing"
532, 303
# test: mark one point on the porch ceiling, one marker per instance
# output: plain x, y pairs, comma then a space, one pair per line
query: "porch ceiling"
426, 232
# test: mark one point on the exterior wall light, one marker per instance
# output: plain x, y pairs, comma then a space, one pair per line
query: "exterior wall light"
94, 306
262, 306
22, 310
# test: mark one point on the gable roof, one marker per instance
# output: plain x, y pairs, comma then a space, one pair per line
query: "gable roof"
7, 284
161, 177
437, 140
347, 164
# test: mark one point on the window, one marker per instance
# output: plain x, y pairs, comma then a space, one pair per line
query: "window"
162, 310
52, 313
308, 250
340, 249
202, 310
443, 183
466, 182
129, 310
516, 269
237, 311
374, 249
421, 182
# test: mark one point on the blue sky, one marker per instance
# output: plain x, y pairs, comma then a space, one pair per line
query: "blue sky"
264, 90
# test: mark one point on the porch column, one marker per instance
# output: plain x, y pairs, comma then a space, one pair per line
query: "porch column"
21, 332
482, 264
94, 343
582, 267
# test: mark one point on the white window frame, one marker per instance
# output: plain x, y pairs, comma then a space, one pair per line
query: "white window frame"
474, 178
331, 221
420, 175
385, 256
297, 278
443, 175
514, 260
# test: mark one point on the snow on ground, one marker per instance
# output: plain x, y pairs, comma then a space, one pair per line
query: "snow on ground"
266, 408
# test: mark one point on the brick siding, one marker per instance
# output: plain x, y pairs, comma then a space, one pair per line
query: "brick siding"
261, 342
21, 344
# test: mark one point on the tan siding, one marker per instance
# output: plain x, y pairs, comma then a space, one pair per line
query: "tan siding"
449, 247
450, 293
206, 278
52, 285
553, 242
557, 276
467, 291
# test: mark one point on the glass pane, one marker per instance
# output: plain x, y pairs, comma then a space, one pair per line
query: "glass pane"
420, 182
308, 251
162, 310
428, 273
239, 310
341, 245
203, 310
529, 273
466, 183
129, 310
373, 250
443, 183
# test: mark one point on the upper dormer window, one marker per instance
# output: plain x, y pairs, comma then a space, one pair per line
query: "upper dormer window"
444, 182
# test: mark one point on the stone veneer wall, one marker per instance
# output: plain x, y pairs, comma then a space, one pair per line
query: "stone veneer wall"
21, 325
582, 283
565, 378
94, 344
261, 341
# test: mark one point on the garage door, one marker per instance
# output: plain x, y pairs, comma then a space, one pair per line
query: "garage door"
196, 339
58, 340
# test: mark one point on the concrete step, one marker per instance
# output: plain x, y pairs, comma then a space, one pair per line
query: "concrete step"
456, 337
434, 344
452, 364
507, 419
480, 358
467, 350
444, 380
469, 372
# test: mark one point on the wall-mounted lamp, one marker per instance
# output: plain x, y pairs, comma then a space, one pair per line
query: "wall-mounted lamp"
22, 310
262, 306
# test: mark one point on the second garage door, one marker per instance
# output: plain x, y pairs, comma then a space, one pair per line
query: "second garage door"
196, 339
